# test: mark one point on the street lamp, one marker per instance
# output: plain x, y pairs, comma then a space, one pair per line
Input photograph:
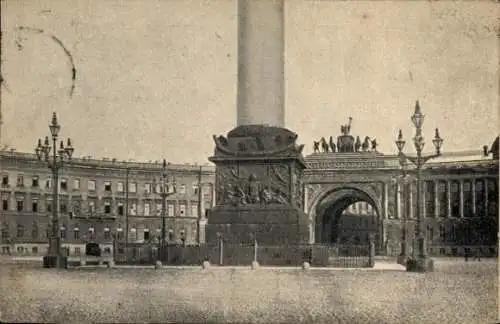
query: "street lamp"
405, 180
55, 163
420, 262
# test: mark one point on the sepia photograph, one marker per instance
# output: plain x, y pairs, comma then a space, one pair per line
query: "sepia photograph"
249, 161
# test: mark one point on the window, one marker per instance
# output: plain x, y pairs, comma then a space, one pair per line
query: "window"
170, 235
455, 199
119, 233
20, 205
76, 184
91, 232
34, 182
107, 186
133, 234
171, 188
157, 188
5, 180
5, 230
48, 207
146, 234
443, 198
77, 206
107, 207
170, 210
34, 231
119, 186
20, 249
195, 188
91, 206
91, 185
182, 189
5, 204
34, 206
159, 209
194, 209
63, 207
20, 231
430, 195
120, 209
107, 234
132, 187
20, 181
34, 249
48, 183
107, 250
146, 209
133, 209
64, 184
78, 251
63, 232
492, 187
147, 188
480, 197
182, 210
442, 232
467, 192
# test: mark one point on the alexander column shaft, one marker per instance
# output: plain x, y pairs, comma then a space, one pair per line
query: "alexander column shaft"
261, 63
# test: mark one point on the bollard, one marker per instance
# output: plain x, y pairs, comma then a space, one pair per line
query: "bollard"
158, 265
306, 266
205, 264
255, 265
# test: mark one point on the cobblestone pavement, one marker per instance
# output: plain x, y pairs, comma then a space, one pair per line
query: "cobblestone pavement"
455, 292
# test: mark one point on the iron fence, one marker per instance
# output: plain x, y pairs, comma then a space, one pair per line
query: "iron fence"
225, 254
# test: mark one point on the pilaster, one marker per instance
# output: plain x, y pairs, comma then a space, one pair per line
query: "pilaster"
461, 191
436, 199
448, 198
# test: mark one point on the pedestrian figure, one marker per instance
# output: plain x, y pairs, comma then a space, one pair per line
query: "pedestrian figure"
477, 255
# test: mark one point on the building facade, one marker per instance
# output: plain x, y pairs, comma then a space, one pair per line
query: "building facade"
346, 195
459, 200
95, 205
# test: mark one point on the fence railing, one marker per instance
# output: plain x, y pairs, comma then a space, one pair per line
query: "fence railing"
224, 254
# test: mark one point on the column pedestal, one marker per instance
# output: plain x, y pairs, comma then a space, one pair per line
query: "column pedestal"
259, 171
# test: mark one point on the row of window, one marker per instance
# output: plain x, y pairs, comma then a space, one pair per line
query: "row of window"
91, 208
91, 234
108, 185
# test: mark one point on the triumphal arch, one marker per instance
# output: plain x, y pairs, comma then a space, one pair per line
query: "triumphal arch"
459, 200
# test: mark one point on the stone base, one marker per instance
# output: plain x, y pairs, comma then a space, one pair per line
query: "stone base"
402, 259
269, 225
255, 265
54, 261
420, 264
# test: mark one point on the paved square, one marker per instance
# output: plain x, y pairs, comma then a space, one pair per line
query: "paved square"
456, 292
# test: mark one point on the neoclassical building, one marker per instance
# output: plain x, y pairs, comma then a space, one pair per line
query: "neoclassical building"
95, 205
347, 196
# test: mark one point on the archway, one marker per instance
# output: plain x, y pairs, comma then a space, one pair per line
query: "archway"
346, 215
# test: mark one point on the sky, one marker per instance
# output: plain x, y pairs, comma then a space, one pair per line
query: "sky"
156, 79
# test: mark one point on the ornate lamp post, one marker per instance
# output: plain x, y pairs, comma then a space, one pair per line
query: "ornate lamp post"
420, 262
55, 163
405, 180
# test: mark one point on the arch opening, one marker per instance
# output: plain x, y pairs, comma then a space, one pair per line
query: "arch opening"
346, 216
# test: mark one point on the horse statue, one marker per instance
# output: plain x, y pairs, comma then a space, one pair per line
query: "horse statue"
316, 146
324, 145
332, 145
374, 145
366, 144
357, 145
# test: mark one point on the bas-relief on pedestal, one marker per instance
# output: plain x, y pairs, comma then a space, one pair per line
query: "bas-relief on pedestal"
259, 172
